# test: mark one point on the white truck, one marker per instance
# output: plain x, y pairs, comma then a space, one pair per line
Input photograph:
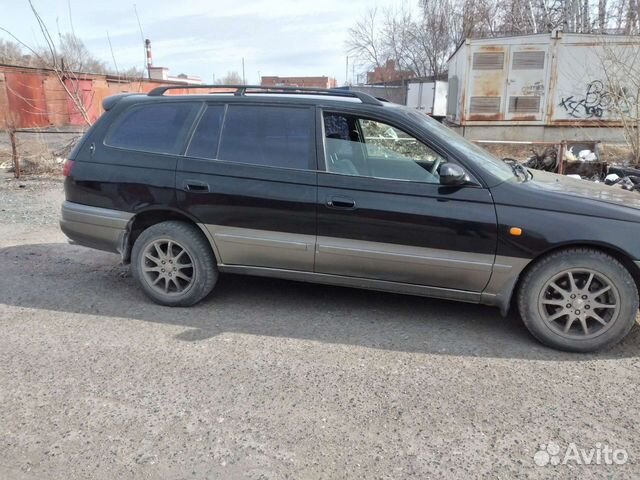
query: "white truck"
428, 97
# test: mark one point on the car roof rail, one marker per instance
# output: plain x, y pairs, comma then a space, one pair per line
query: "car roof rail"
241, 90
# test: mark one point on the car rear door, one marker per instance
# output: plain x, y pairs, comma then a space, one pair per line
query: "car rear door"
383, 215
249, 177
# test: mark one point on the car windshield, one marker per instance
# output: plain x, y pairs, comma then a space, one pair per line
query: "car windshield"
479, 156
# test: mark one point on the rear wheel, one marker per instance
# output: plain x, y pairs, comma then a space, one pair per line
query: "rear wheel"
174, 264
578, 300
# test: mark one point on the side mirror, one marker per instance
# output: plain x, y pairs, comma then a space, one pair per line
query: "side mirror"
452, 174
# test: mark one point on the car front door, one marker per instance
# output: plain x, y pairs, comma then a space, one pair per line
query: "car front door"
383, 215
249, 178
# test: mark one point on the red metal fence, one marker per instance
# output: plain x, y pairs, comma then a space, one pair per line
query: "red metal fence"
35, 98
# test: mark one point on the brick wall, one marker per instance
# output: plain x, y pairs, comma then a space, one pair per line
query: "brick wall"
387, 73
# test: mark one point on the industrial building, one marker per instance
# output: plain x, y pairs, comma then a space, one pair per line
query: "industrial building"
388, 74
551, 87
315, 82
162, 74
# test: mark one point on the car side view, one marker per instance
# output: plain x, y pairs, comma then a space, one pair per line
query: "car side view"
341, 188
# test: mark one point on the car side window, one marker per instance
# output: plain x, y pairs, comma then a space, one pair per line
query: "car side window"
204, 143
268, 135
364, 147
154, 128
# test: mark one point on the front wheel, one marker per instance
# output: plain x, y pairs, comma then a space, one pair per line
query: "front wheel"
578, 300
173, 264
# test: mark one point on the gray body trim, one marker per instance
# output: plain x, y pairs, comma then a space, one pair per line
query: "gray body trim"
366, 283
350, 263
94, 227
464, 276
262, 248
403, 263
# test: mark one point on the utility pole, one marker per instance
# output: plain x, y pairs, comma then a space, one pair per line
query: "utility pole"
244, 81
346, 72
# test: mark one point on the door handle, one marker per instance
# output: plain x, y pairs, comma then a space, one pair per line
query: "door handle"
194, 186
341, 203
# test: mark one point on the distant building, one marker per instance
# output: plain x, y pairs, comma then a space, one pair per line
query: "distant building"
317, 82
162, 73
387, 74
546, 87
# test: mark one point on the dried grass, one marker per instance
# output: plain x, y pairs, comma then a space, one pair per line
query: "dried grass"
39, 153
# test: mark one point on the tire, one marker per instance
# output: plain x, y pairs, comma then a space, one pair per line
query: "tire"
556, 314
169, 277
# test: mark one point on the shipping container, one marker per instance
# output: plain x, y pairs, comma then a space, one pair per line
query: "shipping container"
545, 81
428, 97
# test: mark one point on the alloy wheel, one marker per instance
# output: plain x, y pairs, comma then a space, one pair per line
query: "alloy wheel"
167, 267
579, 303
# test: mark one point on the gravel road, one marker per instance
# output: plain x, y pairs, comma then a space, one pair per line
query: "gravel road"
271, 379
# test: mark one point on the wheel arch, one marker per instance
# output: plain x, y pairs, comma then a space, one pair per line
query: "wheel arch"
508, 298
152, 216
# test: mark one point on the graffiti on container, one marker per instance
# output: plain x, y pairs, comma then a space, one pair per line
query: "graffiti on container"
534, 89
597, 100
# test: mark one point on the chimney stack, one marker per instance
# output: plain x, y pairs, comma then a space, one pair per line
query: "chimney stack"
147, 47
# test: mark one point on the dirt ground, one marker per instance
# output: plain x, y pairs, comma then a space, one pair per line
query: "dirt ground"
271, 379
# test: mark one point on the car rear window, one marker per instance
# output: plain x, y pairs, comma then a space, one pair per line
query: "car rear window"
156, 128
268, 135
204, 143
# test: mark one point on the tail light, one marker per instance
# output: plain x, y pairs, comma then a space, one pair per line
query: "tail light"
68, 166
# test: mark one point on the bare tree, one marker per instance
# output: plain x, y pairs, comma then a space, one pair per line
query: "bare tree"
231, 78
50, 57
398, 42
633, 17
418, 44
602, 15
76, 56
365, 40
10, 52
70, 50
436, 33
422, 43
473, 18
621, 67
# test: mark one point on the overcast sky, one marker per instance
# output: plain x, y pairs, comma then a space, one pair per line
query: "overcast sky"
206, 37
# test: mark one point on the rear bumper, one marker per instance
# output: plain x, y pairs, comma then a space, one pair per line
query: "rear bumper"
94, 227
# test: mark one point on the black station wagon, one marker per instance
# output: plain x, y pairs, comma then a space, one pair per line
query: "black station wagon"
342, 188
